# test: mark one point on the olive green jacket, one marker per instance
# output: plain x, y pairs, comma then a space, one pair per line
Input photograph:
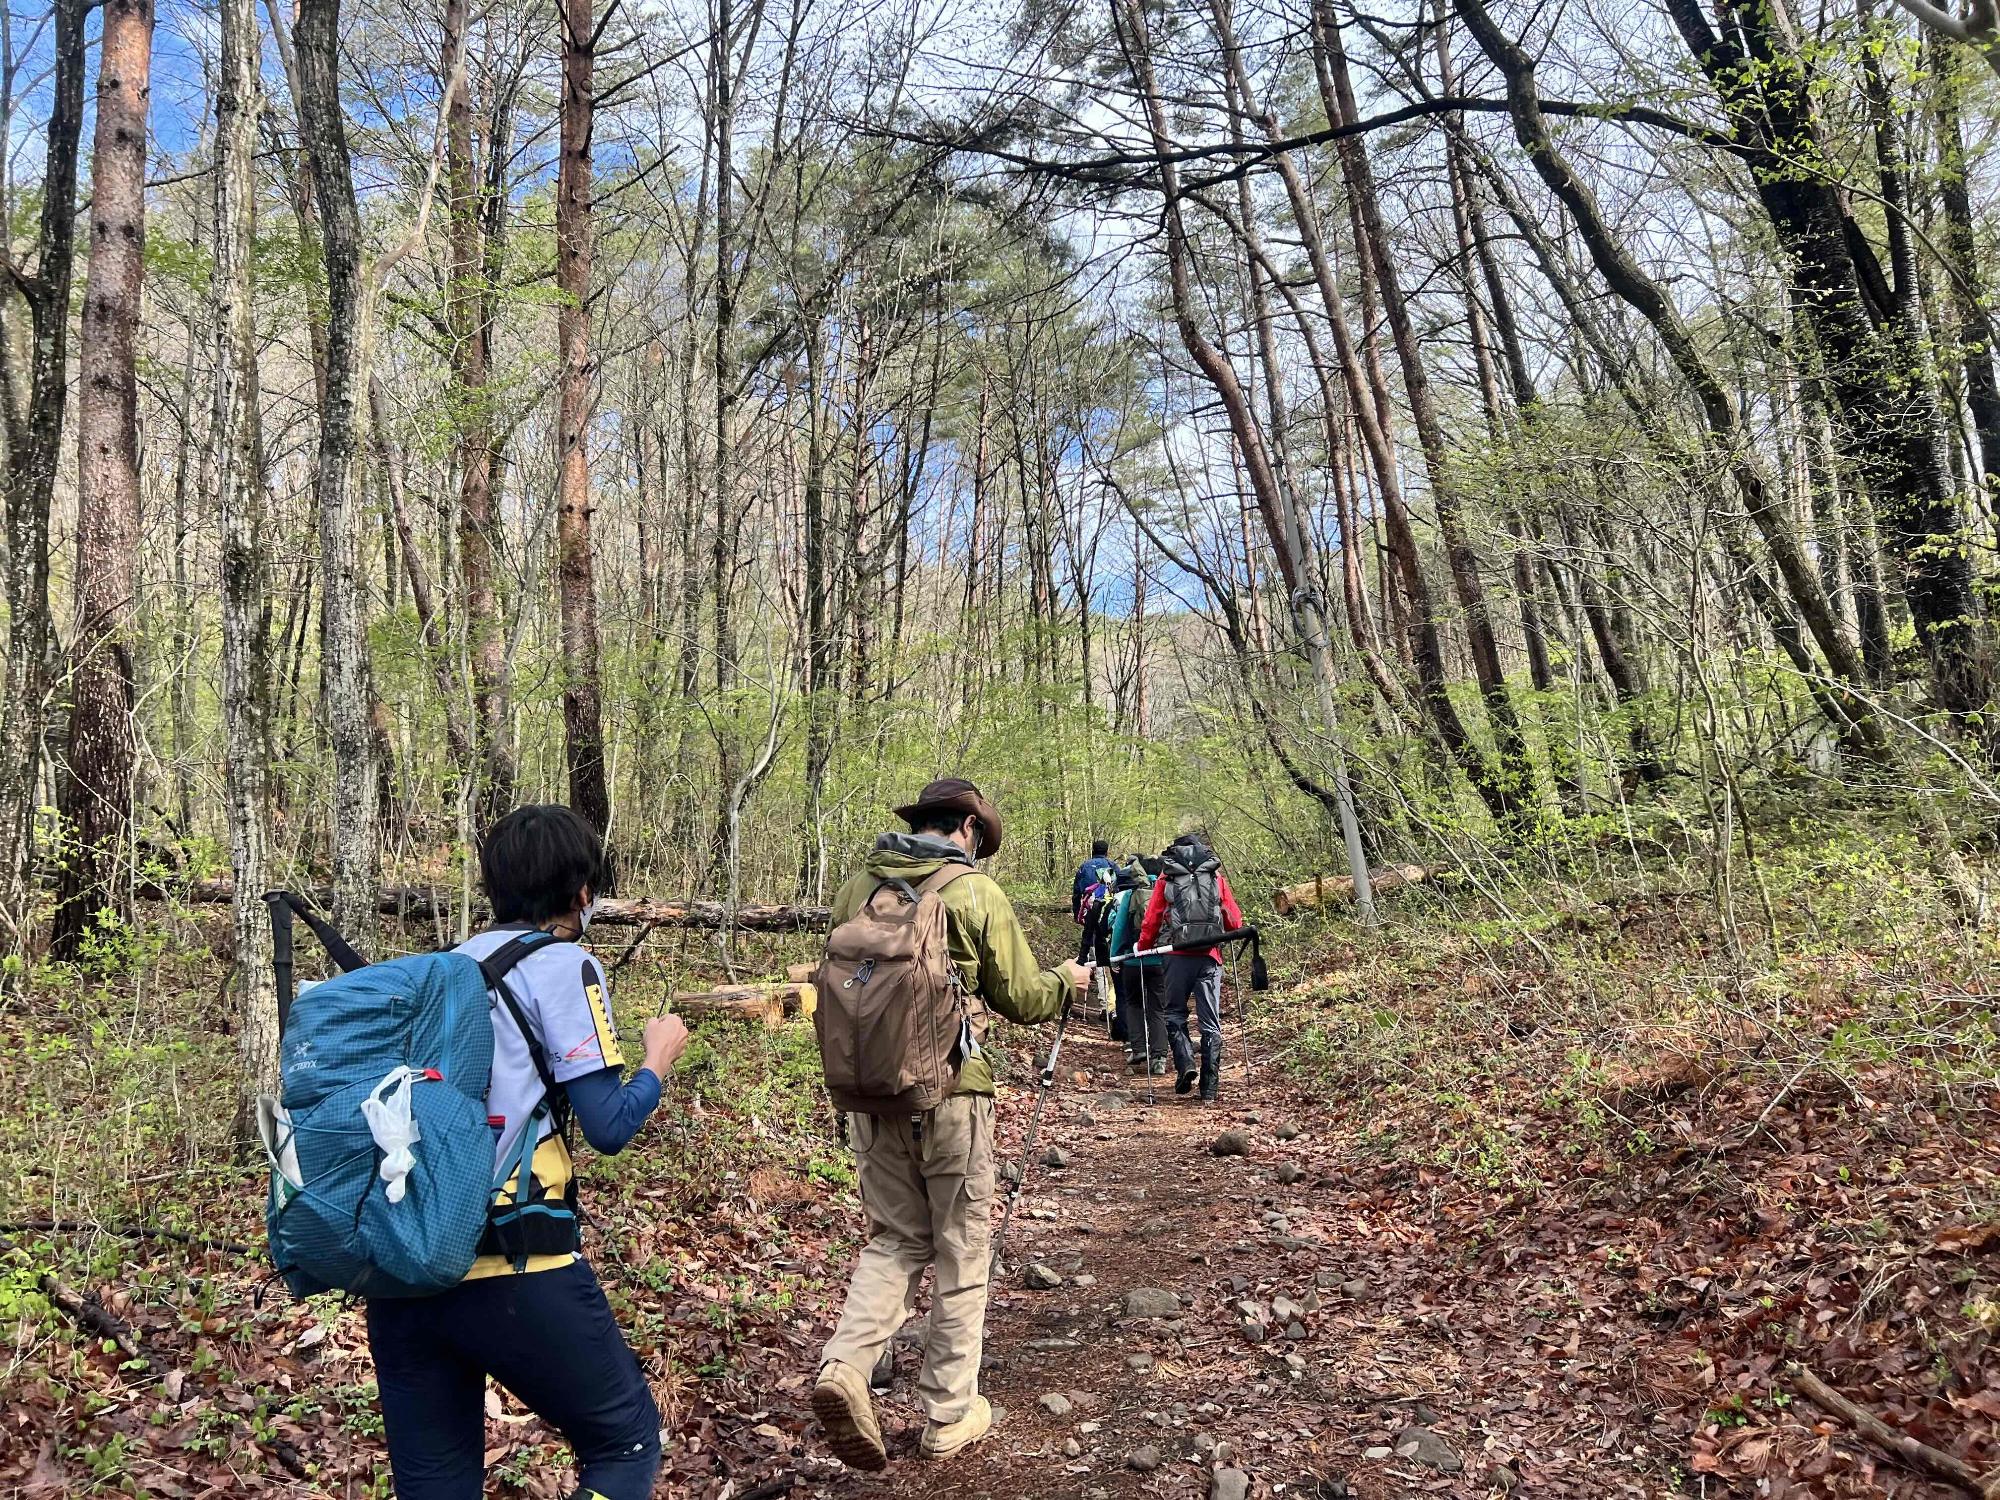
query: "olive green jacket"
986, 940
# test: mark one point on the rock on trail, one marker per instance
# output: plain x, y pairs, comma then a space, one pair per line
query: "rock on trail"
1421, 1445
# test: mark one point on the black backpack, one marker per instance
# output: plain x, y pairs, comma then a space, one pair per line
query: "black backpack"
1194, 895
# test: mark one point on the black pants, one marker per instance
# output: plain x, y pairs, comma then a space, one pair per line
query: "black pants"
1196, 977
548, 1337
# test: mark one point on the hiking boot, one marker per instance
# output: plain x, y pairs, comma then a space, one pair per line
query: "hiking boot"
841, 1402
1136, 1065
1184, 1083
943, 1439
1160, 1067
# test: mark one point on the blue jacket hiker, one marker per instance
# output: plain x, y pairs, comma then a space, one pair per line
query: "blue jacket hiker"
530, 1313
1093, 870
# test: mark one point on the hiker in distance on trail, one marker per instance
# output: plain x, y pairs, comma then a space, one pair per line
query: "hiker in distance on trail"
1192, 904
1142, 1004
1093, 895
1096, 870
922, 948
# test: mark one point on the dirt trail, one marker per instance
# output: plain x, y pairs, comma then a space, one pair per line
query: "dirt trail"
1143, 1204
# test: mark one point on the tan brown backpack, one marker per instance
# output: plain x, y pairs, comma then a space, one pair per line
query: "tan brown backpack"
895, 1019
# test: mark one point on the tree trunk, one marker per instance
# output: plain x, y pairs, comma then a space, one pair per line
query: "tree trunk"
1515, 781
583, 732
722, 549
1977, 338
345, 696
34, 440
423, 598
1368, 401
246, 610
470, 309
96, 788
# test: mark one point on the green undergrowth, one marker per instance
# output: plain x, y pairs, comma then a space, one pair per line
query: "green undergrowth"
1504, 1018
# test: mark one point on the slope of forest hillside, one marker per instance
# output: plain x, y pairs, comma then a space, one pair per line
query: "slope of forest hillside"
1577, 1183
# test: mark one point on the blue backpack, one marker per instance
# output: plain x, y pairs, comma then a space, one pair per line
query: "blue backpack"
382, 1175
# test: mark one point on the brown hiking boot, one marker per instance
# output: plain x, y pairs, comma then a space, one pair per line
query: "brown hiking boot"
846, 1411
943, 1439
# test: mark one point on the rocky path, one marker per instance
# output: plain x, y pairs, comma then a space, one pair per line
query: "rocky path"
1183, 1313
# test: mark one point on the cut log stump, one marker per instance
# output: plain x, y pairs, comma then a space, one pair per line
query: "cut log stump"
763, 1004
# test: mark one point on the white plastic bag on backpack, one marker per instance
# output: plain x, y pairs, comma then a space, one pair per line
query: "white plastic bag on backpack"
274, 1129
387, 1111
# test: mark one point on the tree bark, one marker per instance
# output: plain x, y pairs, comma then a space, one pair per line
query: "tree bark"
345, 696
33, 411
246, 610
470, 310
96, 787
583, 732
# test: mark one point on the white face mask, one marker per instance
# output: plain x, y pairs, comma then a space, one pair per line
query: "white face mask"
583, 918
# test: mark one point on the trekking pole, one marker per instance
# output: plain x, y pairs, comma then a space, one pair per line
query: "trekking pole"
1243, 1004
1042, 1089
1199, 945
1146, 1025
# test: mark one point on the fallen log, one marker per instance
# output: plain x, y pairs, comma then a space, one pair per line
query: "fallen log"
1917, 1455
1322, 889
90, 1314
424, 903
765, 1004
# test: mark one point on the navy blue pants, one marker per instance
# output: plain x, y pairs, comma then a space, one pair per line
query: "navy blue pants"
1196, 977
548, 1337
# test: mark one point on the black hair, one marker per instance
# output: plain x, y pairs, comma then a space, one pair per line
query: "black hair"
535, 860
1100, 848
944, 822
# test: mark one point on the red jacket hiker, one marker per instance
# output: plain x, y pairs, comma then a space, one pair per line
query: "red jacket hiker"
1156, 908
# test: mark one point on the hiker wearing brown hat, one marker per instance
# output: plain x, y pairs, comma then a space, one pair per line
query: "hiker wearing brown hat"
926, 1173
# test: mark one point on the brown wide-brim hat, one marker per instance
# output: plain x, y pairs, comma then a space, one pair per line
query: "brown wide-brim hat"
954, 794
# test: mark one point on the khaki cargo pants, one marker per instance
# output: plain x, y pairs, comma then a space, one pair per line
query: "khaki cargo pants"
927, 1186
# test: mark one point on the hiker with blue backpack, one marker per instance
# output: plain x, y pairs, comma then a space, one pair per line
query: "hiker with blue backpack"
1093, 874
1095, 893
420, 1159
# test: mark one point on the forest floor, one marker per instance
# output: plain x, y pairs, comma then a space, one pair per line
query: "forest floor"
1563, 1198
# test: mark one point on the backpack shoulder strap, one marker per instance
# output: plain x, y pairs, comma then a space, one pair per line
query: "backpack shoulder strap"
939, 879
496, 966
